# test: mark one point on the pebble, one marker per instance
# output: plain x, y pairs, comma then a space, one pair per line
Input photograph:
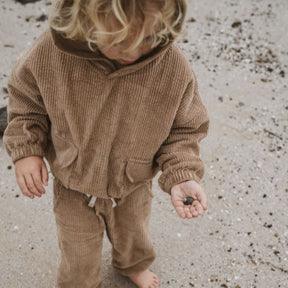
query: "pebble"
15, 228
3, 120
43, 17
23, 2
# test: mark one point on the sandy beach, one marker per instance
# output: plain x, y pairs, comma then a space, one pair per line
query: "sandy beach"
238, 50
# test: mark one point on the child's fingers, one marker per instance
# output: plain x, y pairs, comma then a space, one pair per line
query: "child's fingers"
22, 184
38, 182
190, 212
44, 173
198, 208
194, 210
31, 186
180, 211
204, 203
202, 198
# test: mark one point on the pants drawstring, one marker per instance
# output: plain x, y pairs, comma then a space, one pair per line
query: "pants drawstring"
94, 198
114, 203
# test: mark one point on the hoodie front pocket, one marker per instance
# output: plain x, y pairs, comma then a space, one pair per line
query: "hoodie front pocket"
116, 174
65, 151
139, 173
139, 170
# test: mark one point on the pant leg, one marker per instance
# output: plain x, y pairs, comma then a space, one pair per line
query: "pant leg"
80, 237
128, 232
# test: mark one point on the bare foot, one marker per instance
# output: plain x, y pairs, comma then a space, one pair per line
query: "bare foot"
145, 279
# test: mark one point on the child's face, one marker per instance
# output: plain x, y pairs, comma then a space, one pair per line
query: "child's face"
115, 52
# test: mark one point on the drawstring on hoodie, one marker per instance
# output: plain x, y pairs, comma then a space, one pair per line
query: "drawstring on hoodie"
94, 198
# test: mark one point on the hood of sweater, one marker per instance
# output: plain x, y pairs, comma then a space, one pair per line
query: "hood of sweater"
81, 49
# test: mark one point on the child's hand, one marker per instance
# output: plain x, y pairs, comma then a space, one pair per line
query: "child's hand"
30, 173
189, 189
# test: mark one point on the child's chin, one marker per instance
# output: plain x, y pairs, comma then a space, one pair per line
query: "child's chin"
125, 62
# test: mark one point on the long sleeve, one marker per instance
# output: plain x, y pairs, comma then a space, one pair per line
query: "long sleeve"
178, 156
28, 122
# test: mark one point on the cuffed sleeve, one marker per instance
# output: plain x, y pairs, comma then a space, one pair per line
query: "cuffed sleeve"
28, 122
178, 156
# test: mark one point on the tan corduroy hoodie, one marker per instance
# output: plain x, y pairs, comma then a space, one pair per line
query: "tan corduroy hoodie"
105, 129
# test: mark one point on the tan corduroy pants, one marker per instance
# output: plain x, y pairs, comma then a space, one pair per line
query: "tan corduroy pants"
80, 231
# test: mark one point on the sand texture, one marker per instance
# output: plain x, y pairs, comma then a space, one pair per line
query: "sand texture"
238, 50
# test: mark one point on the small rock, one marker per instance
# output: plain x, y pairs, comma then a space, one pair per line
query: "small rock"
42, 18
236, 24
23, 2
282, 73
191, 20
3, 120
267, 225
269, 69
28, 18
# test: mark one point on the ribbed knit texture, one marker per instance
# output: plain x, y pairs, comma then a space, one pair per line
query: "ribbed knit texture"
80, 232
105, 129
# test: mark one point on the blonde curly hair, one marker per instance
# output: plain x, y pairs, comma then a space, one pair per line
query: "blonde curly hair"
109, 22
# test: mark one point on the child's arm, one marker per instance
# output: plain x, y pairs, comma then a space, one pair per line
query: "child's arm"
178, 157
26, 134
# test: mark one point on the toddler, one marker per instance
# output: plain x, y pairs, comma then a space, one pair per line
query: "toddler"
107, 96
